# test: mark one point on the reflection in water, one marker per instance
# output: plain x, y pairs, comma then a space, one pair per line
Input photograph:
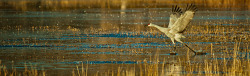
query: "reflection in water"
173, 70
123, 7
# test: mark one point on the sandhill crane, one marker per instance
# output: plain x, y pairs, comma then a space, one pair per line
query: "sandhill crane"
178, 23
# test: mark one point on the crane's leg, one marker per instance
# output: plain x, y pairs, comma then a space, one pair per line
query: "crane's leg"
178, 39
189, 48
172, 39
173, 51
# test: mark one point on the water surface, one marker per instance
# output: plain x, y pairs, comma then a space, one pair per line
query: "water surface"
57, 41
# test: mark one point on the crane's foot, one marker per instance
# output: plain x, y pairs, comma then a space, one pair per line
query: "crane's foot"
200, 53
173, 53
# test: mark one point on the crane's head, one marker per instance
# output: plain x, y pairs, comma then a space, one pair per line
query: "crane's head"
150, 24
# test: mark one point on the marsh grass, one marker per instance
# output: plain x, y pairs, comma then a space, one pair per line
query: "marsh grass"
232, 64
73, 4
227, 66
80, 71
29, 70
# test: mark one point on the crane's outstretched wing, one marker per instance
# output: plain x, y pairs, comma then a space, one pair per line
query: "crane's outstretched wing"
176, 13
182, 22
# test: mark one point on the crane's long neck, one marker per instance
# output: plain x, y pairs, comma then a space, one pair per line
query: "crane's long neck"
158, 27
164, 30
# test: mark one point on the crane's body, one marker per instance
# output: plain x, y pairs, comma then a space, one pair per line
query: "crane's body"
178, 23
167, 31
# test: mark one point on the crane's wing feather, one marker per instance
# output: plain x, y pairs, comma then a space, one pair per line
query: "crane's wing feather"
176, 13
182, 22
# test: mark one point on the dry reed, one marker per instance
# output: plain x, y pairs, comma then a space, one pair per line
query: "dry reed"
74, 4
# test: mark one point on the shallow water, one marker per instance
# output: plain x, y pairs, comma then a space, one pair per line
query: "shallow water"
57, 41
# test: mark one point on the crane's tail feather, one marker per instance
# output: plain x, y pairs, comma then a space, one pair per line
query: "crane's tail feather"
179, 36
183, 36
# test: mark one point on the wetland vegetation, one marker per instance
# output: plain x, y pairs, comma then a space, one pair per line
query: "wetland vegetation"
108, 38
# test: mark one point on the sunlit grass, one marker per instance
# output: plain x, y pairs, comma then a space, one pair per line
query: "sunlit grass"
73, 4
29, 70
227, 66
231, 64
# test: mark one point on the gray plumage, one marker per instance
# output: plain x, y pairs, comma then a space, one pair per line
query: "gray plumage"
178, 22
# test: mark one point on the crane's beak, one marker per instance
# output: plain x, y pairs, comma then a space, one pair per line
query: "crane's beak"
146, 25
